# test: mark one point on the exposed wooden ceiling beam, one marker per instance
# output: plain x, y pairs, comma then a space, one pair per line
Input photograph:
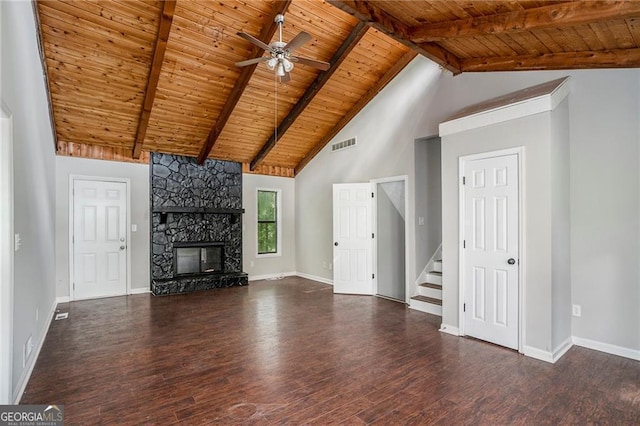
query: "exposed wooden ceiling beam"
384, 22
321, 79
553, 16
241, 83
166, 19
619, 58
362, 102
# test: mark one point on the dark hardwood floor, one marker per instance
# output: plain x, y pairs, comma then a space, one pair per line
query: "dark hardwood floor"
290, 351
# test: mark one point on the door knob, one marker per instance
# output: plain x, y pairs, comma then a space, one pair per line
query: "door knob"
335, 244
121, 247
511, 261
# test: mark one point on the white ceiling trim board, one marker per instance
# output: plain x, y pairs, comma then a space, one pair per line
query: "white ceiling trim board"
533, 100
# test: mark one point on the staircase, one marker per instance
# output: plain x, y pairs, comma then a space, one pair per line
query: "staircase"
429, 297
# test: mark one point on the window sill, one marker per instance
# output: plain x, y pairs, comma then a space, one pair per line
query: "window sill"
267, 255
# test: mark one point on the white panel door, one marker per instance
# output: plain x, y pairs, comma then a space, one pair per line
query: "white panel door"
99, 239
352, 246
491, 247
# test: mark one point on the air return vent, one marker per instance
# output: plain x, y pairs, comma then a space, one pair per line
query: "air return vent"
339, 146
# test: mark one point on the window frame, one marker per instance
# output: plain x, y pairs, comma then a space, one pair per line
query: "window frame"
278, 223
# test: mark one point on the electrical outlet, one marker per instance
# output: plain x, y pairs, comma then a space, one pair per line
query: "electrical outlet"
330, 266
252, 264
576, 310
134, 227
17, 242
324, 264
420, 220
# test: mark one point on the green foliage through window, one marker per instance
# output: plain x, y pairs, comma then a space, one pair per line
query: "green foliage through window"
267, 222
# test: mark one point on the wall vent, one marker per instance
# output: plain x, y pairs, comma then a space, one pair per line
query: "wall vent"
339, 146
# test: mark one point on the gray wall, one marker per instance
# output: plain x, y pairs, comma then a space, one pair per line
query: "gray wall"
255, 266
391, 244
24, 93
604, 106
138, 174
560, 226
385, 130
428, 199
532, 133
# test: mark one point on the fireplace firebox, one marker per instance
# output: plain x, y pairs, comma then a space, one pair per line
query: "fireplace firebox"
198, 258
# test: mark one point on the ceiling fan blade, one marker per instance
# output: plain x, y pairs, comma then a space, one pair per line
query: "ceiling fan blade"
311, 62
297, 41
285, 78
251, 61
255, 41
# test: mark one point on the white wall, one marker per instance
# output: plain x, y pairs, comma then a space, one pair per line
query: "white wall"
262, 267
138, 174
24, 93
604, 107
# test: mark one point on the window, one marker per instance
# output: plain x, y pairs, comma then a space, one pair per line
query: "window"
268, 221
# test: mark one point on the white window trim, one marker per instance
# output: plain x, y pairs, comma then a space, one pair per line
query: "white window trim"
278, 252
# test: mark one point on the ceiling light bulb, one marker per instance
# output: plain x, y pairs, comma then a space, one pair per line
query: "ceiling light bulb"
280, 70
271, 63
288, 65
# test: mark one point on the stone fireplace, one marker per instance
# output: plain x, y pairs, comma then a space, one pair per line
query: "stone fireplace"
196, 224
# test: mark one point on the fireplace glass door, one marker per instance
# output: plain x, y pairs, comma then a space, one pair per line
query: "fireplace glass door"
198, 260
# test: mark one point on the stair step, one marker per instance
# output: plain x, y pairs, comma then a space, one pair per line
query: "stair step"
428, 300
432, 285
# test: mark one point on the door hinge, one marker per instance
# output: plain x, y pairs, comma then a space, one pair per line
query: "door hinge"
464, 180
464, 243
464, 307
372, 195
74, 286
373, 235
373, 276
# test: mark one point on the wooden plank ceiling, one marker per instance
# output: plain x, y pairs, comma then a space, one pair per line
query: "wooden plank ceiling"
129, 77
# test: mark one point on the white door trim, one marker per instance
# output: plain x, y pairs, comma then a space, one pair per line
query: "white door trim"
520, 152
6, 255
127, 182
374, 225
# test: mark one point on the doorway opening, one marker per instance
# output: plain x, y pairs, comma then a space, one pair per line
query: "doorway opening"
390, 265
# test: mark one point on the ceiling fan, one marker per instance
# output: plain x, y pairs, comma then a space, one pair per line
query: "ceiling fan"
280, 56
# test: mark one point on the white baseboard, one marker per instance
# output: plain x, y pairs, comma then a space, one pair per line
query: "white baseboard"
608, 348
536, 353
62, 299
315, 278
271, 276
140, 290
562, 349
26, 372
449, 329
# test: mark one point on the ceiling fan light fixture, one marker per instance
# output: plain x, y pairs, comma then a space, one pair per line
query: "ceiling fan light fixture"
280, 70
288, 65
271, 63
